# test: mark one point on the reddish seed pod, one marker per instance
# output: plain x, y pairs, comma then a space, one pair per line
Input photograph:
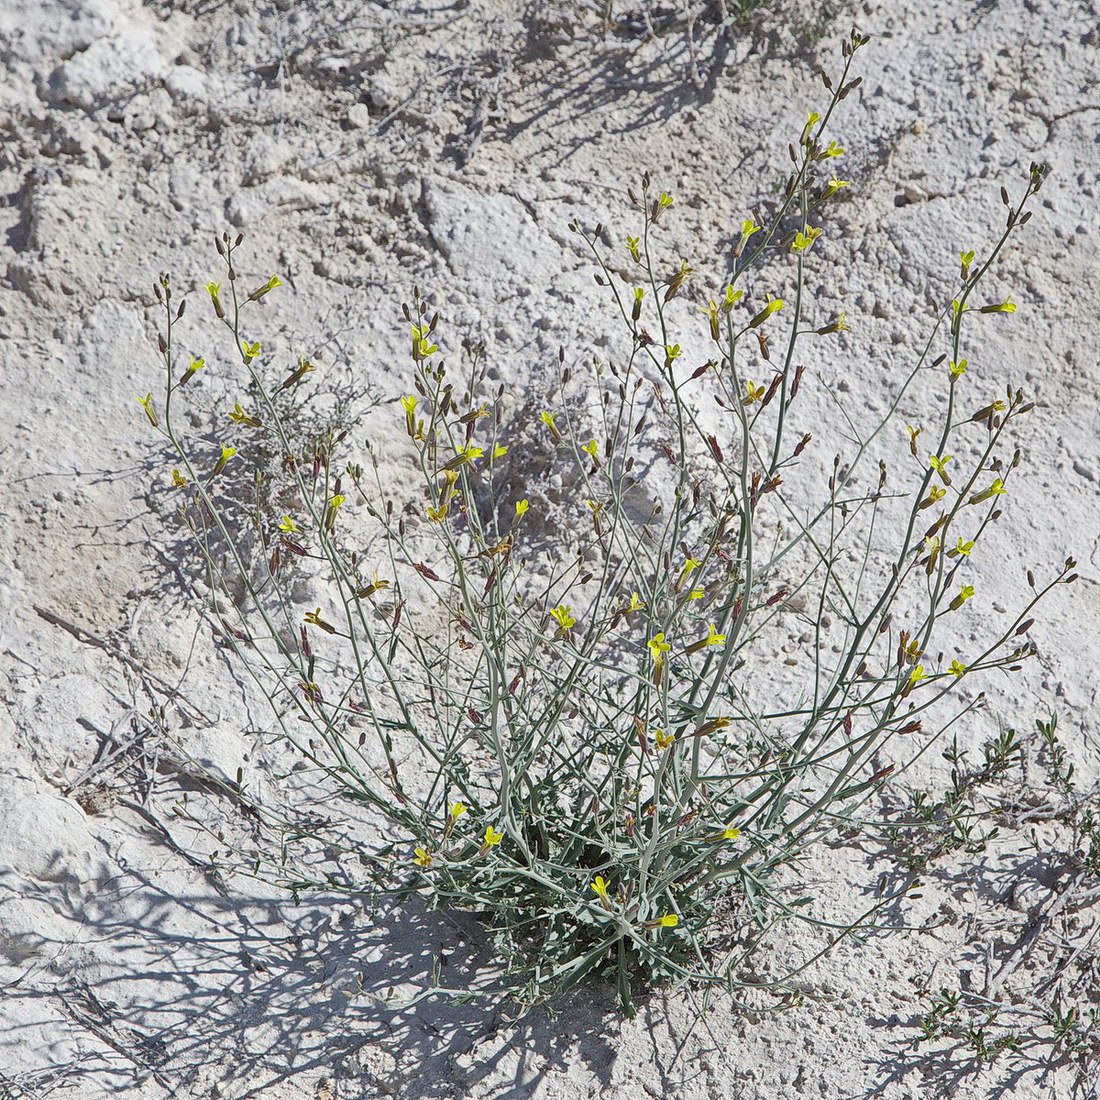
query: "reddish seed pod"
797, 381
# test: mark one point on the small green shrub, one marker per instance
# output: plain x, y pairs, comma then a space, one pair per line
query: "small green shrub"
557, 710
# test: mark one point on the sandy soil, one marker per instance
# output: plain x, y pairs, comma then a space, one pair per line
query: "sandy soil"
367, 146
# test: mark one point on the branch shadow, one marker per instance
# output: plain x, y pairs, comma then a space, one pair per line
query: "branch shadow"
194, 987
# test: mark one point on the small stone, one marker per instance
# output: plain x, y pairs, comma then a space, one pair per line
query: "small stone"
359, 117
186, 84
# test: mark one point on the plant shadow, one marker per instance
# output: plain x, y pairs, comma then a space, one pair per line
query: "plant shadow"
196, 988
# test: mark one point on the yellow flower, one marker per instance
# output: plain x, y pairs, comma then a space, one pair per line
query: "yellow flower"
663, 739
916, 675
422, 347
212, 289
732, 296
965, 593
753, 393
913, 433
467, 452
658, 646
410, 404
288, 526
714, 638
939, 463
839, 325
773, 306
314, 619
632, 247
965, 260
665, 201
591, 447
241, 417
492, 838
635, 603
192, 370
331, 509
599, 886
1007, 306
178, 480
422, 858
834, 150
226, 455
957, 668
935, 493
803, 240
250, 351
375, 585
260, 291
564, 619
962, 548
521, 507
730, 833
499, 450
689, 567
669, 920
457, 810
997, 487
696, 594
146, 403
959, 369
834, 185
988, 410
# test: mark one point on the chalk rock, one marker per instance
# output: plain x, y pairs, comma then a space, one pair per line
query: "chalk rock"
59, 723
34, 35
250, 204
110, 66
186, 84
42, 836
488, 237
